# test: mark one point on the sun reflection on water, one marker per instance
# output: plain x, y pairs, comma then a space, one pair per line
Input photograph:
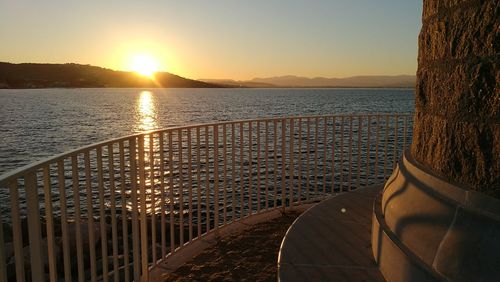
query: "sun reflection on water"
146, 112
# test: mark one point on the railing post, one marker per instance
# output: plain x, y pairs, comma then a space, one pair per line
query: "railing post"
299, 162
64, 220
334, 129
350, 153
316, 138
368, 151
34, 232
242, 185
152, 196
125, 232
358, 172
78, 221
250, 167
171, 191
181, 188
224, 176
3, 265
143, 212
216, 177
102, 223
50, 224
163, 239
135, 222
258, 167
17, 231
283, 164
291, 171
190, 184
341, 184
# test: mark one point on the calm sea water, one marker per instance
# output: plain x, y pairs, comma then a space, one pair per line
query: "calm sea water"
35, 124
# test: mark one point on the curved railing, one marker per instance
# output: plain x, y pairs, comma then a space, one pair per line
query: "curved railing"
113, 210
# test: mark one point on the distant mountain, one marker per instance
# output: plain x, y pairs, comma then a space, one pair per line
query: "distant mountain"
239, 83
86, 76
403, 81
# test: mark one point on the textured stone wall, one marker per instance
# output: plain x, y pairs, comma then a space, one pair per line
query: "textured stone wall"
457, 122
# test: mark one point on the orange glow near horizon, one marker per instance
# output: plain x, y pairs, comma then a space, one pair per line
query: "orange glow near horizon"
145, 65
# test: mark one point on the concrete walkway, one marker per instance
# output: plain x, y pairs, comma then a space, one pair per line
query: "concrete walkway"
332, 241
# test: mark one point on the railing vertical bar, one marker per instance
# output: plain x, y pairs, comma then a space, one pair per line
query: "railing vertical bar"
34, 230
342, 133
405, 128
181, 188
102, 219
64, 220
334, 128
233, 173
216, 176
316, 141
207, 178
325, 132
198, 181
386, 145
242, 186
258, 168
250, 167
358, 172
152, 189
266, 152
17, 235
396, 142
135, 213
368, 150
143, 210
349, 187
299, 163
283, 164
377, 137
3, 260
292, 168
78, 224
275, 128
224, 177
190, 183
49, 224
88, 185
125, 233
171, 191
308, 152
114, 231
161, 148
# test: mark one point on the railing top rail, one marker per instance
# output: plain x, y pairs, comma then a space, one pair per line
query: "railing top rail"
14, 174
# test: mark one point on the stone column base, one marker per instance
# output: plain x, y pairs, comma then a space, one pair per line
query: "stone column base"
427, 229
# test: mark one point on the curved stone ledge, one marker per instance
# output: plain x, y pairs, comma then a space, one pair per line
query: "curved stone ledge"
437, 229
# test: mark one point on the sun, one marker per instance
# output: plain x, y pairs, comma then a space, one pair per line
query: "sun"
145, 65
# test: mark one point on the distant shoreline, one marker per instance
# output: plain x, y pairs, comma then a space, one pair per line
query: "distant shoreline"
71, 76
221, 87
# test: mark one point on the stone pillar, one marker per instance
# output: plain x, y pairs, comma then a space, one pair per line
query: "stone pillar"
457, 121
438, 218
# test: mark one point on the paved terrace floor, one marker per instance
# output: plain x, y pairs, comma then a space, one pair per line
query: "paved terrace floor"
331, 241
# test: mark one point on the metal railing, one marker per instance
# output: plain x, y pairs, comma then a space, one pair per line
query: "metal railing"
113, 210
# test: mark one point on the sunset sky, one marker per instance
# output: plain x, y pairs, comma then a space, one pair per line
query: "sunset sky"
220, 38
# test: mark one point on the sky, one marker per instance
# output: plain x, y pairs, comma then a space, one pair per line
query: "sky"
218, 39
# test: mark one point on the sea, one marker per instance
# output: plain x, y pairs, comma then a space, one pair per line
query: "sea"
38, 123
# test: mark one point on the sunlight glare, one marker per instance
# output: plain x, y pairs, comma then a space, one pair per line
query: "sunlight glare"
146, 110
144, 65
